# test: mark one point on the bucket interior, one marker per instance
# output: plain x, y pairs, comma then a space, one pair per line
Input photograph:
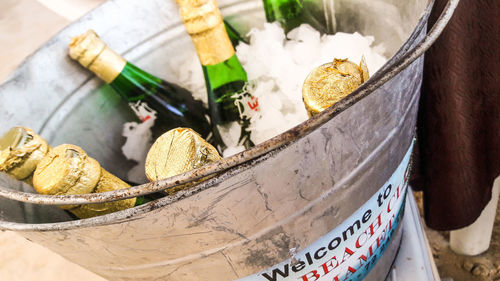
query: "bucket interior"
89, 114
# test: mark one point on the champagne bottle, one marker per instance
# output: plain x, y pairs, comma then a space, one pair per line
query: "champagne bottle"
21, 150
292, 13
234, 35
65, 169
148, 96
287, 12
177, 151
225, 78
329, 83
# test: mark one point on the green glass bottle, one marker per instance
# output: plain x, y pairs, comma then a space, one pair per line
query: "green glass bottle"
172, 105
292, 13
234, 35
287, 12
225, 78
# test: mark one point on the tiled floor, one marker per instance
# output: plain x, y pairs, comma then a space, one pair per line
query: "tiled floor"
24, 26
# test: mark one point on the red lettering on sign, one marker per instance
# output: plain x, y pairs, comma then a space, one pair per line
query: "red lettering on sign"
313, 273
360, 244
376, 224
395, 196
255, 105
347, 253
328, 266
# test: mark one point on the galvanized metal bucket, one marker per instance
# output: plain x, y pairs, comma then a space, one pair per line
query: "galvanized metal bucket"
264, 207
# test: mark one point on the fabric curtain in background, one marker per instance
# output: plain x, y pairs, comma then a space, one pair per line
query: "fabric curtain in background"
458, 127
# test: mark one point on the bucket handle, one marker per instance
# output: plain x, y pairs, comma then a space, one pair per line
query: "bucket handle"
217, 167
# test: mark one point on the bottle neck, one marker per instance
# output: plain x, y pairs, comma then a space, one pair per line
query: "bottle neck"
204, 24
223, 73
108, 65
92, 53
132, 81
234, 35
286, 12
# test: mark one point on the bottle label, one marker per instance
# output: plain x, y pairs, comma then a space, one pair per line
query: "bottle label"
350, 250
247, 104
142, 110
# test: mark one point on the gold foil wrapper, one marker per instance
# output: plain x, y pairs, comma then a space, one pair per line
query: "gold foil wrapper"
331, 82
107, 182
67, 169
203, 22
91, 52
177, 151
21, 150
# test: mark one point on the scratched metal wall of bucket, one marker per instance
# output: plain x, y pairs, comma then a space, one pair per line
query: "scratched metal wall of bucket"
246, 218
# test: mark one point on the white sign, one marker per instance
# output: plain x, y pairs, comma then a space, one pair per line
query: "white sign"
349, 252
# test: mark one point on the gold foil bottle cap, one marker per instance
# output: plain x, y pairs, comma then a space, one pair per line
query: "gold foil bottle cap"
331, 82
65, 170
177, 151
91, 52
107, 182
21, 150
203, 22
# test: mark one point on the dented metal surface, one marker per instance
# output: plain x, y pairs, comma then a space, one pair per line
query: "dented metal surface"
281, 194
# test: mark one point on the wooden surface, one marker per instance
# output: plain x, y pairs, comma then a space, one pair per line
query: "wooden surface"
24, 26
